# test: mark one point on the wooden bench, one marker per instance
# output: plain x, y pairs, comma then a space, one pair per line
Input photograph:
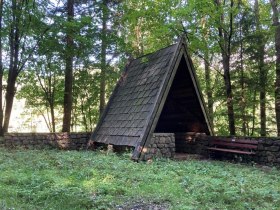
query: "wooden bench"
238, 146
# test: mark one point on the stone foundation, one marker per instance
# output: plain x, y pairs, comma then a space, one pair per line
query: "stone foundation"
162, 145
69, 141
268, 151
191, 143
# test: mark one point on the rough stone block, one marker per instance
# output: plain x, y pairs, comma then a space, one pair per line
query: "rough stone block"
152, 150
268, 142
164, 150
271, 159
162, 140
168, 140
25, 142
261, 147
168, 154
172, 145
276, 142
273, 148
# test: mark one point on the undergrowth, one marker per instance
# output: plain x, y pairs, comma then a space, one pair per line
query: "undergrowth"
51, 179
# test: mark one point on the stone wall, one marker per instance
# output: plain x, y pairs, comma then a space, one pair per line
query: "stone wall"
191, 143
268, 151
69, 141
161, 145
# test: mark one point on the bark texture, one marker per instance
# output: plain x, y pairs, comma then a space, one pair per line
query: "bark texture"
262, 70
209, 92
225, 37
1, 70
68, 71
276, 24
14, 42
103, 56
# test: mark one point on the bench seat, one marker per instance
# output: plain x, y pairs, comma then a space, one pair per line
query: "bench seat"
231, 151
238, 146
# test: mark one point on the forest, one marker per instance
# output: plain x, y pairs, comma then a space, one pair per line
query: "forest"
64, 57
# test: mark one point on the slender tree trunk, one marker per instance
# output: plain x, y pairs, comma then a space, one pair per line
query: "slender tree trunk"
18, 10
90, 119
68, 71
227, 80
225, 45
45, 119
254, 113
262, 79
14, 39
52, 91
103, 56
52, 118
84, 116
276, 24
1, 70
262, 71
209, 92
10, 93
243, 100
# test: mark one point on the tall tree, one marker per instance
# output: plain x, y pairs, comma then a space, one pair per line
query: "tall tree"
262, 71
276, 24
14, 44
23, 15
1, 68
225, 38
105, 16
21, 31
209, 92
242, 79
68, 69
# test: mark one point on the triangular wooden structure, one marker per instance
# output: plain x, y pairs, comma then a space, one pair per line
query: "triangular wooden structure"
156, 93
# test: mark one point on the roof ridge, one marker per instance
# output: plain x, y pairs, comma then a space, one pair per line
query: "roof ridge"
156, 51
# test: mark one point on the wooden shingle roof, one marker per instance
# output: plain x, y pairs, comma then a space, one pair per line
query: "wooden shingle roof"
137, 99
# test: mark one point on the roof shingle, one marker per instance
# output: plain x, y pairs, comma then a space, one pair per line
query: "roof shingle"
131, 105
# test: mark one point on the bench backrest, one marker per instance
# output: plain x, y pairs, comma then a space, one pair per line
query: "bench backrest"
235, 143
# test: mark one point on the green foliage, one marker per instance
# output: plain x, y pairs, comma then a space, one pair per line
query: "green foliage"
135, 28
93, 180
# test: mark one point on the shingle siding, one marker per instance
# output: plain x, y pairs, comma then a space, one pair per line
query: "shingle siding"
132, 104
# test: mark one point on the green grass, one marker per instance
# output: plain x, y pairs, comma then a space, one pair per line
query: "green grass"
31, 179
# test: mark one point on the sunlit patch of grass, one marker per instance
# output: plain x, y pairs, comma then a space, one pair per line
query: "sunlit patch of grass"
34, 179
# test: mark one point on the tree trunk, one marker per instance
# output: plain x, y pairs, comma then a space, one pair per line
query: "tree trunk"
84, 116
262, 71
1, 70
52, 100
103, 56
262, 79
68, 70
209, 93
227, 80
52, 117
225, 45
10, 93
254, 113
275, 17
14, 39
243, 100
17, 49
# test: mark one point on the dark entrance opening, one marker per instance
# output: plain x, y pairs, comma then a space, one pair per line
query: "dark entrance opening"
182, 112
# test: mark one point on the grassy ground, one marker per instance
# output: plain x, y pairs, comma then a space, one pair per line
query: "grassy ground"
31, 179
